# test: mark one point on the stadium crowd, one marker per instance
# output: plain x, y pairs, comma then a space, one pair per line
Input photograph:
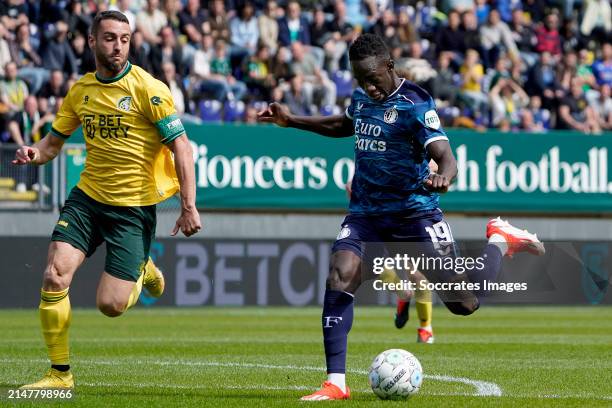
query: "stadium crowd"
508, 64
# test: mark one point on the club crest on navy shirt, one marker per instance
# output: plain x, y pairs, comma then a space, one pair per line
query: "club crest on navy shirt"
391, 115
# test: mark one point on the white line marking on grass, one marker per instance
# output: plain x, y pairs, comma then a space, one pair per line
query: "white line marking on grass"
483, 388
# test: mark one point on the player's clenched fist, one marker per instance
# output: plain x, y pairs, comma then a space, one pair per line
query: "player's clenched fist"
438, 183
25, 155
276, 113
188, 223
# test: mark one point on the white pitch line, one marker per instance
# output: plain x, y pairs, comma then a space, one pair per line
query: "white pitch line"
483, 388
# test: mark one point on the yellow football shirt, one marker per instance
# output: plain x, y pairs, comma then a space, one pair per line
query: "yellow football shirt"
127, 120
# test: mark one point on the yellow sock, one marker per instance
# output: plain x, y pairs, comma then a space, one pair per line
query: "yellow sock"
390, 276
423, 306
135, 294
55, 318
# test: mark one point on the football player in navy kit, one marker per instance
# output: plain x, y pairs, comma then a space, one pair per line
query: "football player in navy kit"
394, 195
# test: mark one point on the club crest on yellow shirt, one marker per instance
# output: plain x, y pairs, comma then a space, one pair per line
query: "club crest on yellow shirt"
125, 103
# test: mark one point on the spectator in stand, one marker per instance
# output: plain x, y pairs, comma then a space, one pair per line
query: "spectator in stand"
268, 26
534, 10
293, 26
316, 81
319, 28
524, 37
507, 101
567, 69
602, 68
82, 53
25, 126
450, 38
79, 20
496, 38
548, 37
221, 73
386, 28
570, 37
406, 31
203, 57
544, 82
57, 53
191, 21
482, 10
603, 107
203, 81
139, 51
363, 13
218, 21
471, 34
501, 70
13, 14
13, 91
472, 73
29, 63
575, 113
55, 90
534, 118
172, 10
420, 70
244, 32
167, 51
150, 21
124, 7
297, 98
281, 65
343, 33
258, 78
444, 89
175, 84
585, 72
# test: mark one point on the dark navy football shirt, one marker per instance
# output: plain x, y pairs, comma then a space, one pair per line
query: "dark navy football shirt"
391, 160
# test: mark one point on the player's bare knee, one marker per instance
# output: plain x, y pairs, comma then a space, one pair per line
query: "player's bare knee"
111, 308
53, 281
343, 278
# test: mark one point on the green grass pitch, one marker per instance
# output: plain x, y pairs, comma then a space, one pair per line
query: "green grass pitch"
269, 357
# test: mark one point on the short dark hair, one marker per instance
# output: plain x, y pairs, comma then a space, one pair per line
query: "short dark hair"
107, 15
368, 45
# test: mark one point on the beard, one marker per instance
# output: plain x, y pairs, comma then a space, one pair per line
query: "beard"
108, 62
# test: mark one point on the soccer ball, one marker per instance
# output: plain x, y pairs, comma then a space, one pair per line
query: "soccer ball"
395, 374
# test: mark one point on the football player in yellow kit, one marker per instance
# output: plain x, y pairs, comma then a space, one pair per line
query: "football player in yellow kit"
131, 130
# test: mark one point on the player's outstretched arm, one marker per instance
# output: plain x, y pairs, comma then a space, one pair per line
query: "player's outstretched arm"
442, 154
330, 126
40, 152
189, 220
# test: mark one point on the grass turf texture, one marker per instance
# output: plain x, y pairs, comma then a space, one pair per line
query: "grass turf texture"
225, 357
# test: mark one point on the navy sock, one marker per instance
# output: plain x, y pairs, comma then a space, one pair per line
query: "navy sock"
337, 322
492, 265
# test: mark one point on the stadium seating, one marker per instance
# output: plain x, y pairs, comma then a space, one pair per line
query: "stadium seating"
344, 83
233, 111
210, 110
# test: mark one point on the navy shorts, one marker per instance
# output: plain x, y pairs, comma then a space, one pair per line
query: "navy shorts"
365, 234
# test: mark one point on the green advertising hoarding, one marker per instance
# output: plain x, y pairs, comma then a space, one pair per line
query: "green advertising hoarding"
266, 167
